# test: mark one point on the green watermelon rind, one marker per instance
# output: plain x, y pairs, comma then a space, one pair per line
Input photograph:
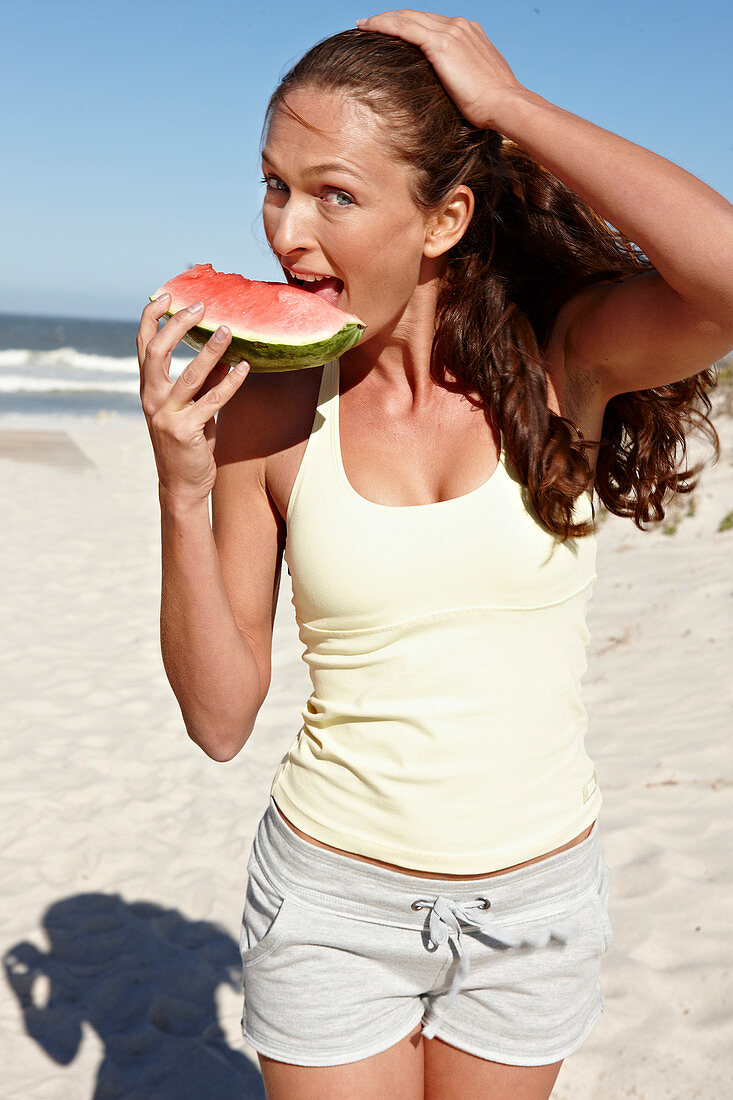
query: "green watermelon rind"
264, 356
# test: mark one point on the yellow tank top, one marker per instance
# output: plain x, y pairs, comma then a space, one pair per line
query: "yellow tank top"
446, 644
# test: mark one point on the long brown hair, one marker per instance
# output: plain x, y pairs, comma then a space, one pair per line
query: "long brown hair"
532, 243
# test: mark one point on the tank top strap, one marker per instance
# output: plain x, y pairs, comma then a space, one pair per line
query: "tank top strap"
327, 406
329, 383
329, 401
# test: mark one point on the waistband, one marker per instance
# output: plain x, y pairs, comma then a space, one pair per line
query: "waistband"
323, 878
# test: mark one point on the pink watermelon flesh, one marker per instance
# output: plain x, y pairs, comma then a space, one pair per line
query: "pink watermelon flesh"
274, 326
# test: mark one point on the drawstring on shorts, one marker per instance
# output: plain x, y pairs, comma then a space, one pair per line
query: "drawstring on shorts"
446, 916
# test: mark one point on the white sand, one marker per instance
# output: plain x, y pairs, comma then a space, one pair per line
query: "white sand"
122, 840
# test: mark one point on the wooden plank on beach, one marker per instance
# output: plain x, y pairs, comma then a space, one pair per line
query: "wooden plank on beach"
47, 448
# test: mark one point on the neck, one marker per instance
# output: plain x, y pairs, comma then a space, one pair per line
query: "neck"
395, 362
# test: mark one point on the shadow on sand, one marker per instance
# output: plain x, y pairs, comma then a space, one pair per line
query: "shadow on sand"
145, 979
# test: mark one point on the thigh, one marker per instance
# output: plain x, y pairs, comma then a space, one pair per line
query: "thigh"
533, 1004
323, 988
452, 1072
397, 1071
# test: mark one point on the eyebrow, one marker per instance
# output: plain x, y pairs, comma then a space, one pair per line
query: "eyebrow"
329, 166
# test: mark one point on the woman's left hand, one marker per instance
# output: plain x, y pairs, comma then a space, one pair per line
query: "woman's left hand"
470, 68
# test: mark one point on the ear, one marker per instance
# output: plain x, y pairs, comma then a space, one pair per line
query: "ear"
446, 226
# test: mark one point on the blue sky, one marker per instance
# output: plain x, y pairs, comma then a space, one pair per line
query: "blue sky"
130, 131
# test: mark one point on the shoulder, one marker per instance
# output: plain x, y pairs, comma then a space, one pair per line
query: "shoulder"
265, 413
263, 431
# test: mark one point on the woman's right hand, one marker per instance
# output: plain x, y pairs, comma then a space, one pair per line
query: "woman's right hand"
180, 414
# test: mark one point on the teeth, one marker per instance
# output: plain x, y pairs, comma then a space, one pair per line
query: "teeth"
304, 277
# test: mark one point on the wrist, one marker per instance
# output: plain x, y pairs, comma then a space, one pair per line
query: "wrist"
511, 110
181, 504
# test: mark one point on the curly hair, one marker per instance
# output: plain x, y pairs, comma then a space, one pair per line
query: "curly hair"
531, 245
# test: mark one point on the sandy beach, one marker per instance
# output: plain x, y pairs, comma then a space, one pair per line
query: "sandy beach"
125, 848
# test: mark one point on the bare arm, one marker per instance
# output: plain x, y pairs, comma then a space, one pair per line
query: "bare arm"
659, 327
209, 661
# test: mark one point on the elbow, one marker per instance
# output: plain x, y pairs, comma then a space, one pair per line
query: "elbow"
221, 754
220, 745
221, 731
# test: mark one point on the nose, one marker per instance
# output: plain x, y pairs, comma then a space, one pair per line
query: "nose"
290, 228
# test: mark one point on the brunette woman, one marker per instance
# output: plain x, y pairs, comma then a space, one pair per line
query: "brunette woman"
427, 899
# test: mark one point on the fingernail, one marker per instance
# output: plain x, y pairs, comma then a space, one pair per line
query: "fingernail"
195, 308
162, 297
240, 368
221, 333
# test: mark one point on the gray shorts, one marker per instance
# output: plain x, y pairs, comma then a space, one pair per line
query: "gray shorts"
342, 959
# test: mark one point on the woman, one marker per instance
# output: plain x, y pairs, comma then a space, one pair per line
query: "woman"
430, 853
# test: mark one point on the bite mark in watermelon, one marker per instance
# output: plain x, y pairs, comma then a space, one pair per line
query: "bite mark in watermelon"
275, 326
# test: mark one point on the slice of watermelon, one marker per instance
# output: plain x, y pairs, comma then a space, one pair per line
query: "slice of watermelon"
275, 326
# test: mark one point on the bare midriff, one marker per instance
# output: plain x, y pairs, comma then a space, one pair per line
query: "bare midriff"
430, 874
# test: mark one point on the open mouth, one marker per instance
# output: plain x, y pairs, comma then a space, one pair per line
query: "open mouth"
324, 286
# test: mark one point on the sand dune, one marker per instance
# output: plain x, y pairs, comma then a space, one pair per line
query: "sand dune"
125, 848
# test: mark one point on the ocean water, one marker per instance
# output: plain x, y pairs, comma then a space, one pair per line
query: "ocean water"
71, 366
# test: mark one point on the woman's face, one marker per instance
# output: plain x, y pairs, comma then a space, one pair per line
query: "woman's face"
338, 204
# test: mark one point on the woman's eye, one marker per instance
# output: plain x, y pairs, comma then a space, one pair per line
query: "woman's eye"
273, 183
338, 198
